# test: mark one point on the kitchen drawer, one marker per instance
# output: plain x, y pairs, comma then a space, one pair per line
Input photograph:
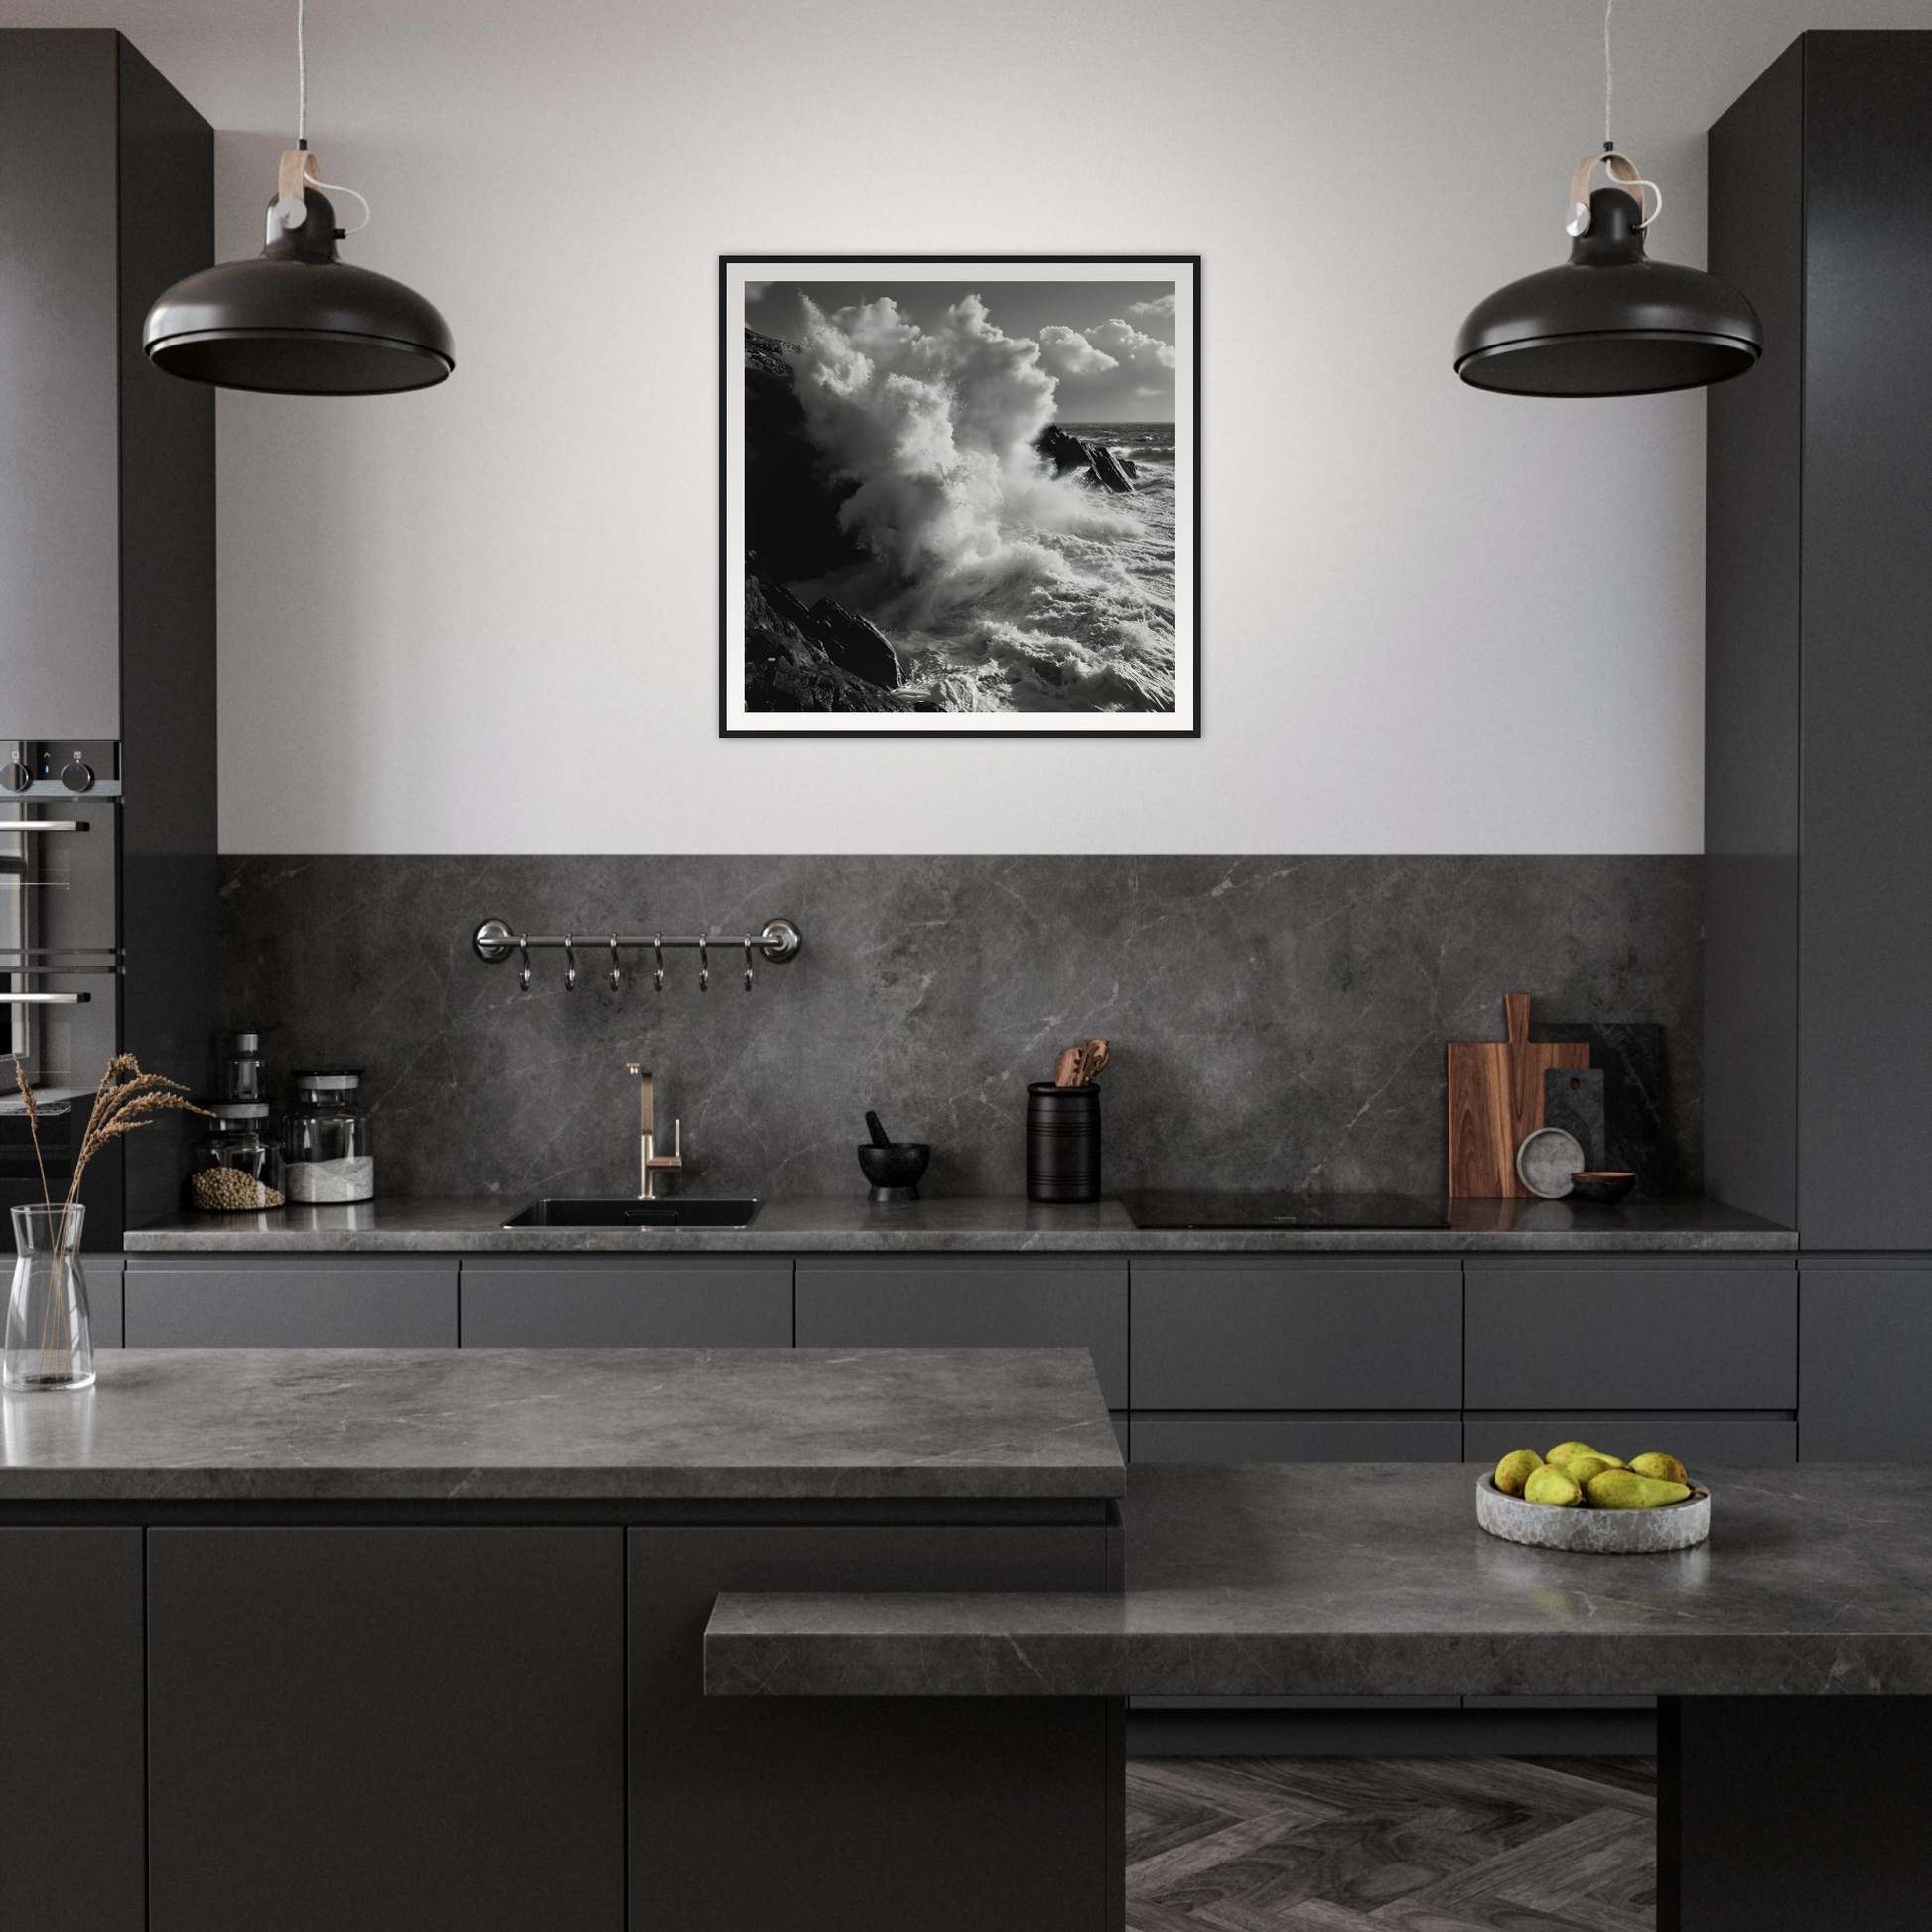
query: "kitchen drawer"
1262, 1333
104, 1273
1696, 1438
623, 1301
937, 1302
1630, 1334
1298, 1439
1866, 1388
290, 1301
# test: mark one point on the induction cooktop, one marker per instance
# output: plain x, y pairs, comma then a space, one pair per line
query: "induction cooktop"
1155, 1208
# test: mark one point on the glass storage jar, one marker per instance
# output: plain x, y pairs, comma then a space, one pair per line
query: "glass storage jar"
326, 1139
238, 1074
238, 1161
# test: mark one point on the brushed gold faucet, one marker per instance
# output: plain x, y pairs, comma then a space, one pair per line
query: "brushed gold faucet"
650, 1163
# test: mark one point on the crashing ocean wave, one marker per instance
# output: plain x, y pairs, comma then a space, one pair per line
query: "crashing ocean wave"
1004, 586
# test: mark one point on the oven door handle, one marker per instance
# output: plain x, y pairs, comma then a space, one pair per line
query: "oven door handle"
44, 998
42, 825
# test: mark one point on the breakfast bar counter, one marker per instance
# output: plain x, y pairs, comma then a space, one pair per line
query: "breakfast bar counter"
1792, 1651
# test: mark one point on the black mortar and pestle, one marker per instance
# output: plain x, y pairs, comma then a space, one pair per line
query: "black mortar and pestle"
893, 1166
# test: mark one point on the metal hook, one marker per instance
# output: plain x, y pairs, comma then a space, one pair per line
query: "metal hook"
616, 972
523, 946
747, 965
657, 946
703, 969
570, 962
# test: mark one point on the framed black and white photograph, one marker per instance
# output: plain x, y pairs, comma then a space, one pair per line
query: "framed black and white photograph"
960, 495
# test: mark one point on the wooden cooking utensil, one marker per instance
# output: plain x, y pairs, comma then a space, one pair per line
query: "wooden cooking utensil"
1099, 1055
1065, 1067
1495, 1100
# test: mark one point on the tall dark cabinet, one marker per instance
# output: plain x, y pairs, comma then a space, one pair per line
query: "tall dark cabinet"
107, 699
1819, 671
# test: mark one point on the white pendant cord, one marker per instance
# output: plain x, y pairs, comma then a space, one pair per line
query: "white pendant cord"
1609, 72
292, 215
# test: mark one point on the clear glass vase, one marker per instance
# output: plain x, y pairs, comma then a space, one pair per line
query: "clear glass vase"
49, 1338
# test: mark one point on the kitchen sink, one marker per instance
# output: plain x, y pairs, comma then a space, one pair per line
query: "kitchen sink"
634, 1213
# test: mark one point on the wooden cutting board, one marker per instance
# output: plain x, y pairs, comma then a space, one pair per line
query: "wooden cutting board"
1495, 1099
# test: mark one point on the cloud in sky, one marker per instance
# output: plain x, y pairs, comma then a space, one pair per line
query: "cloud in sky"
756, 291
1067, 351
1109, 370
1162, 304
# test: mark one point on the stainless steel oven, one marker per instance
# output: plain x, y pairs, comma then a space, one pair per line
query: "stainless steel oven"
61, 961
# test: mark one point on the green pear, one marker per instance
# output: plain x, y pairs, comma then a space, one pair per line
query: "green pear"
1564, 1451
1579, 1469
1550, 1485
1665, 1469
1515, 1470
1622, 1490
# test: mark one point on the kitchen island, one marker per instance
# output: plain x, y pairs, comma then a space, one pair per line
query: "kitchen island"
413, 1638
1793, 1651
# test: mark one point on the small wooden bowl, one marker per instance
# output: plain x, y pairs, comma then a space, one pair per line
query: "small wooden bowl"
1604, 1185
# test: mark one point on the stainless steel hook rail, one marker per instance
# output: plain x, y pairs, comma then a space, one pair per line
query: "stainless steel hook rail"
495, 941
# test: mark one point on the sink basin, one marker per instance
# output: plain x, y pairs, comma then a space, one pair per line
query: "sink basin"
635, 1213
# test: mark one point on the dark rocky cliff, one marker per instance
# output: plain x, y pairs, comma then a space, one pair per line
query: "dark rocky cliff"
826, 658
791, 514
1098, 466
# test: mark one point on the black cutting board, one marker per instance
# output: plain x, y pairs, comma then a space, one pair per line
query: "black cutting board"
1637, 1132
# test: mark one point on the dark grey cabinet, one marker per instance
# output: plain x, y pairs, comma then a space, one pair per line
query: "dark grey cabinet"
72, 1776
104, 1273
106, 591
1358, 1438
1866, 1380
617, 1301
1700, 1438
998, 1817
939, 1301
1273, 1332
1545, 1332
290, 1301
1818, 794
427, 1724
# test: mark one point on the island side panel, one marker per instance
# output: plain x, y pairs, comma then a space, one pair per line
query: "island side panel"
71, 1753
399, 1730
1794, 1810
951, 1814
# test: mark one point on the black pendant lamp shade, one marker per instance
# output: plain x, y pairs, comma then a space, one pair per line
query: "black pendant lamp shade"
297, 320
1610, 322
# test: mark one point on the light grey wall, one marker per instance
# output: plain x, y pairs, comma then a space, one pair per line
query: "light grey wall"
1413, 641
1276, 1022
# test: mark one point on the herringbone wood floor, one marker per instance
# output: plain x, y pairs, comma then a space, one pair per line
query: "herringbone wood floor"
1391, 1845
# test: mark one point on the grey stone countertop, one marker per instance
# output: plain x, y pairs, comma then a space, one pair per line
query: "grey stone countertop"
961, 1225
352, 1425
1373, 1580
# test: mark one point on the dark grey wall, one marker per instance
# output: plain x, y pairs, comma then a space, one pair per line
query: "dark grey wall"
1276, 1022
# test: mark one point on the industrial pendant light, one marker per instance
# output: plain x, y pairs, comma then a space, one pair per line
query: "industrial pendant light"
1610, 322
297, 320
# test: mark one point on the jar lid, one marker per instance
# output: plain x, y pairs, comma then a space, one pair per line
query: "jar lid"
238, 1109
247, 1044
331, 1079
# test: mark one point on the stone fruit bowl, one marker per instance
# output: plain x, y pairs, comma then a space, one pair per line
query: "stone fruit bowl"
1600, 1532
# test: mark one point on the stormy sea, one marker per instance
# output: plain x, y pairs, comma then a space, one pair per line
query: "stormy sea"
917, 485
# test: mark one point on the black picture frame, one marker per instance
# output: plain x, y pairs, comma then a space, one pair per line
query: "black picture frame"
735, 720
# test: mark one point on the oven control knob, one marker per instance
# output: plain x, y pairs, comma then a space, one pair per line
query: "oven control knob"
77, 776
15, 777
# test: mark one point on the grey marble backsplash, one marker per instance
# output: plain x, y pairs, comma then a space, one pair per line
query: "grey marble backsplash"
1276, 1022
